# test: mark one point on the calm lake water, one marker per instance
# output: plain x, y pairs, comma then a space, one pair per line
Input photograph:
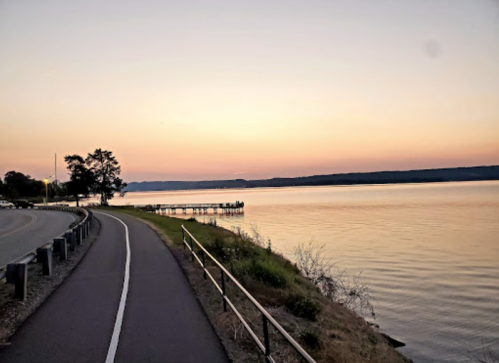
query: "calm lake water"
430, 252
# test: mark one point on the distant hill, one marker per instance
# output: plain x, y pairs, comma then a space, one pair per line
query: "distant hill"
381, 177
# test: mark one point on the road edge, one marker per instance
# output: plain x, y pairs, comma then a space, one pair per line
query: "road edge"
13, 314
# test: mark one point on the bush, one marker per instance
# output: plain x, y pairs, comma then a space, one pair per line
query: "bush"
263, 271
350, 291
311, 339
302, 307
226, 250
218, 249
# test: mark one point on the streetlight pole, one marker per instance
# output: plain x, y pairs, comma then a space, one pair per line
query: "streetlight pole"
46, 190
46, 181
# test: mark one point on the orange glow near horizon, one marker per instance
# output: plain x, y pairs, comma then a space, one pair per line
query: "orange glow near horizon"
247, 91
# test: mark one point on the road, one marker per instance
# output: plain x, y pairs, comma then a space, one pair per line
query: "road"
22, 230
127, 301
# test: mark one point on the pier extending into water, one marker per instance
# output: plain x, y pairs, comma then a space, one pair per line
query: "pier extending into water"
196, 208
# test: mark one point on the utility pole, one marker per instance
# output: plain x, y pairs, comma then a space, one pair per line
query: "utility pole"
55, 169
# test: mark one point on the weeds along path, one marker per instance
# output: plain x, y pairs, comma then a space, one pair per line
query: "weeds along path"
326, 329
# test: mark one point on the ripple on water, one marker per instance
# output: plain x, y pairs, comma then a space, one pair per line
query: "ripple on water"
428, 251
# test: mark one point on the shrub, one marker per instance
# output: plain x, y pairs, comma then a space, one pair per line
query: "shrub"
302, 306
219, 250
263, 271
244, 249
311, 339
350, 291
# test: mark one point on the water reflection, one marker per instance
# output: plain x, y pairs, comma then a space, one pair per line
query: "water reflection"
430, 251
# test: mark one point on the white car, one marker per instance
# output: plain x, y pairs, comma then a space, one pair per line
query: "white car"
4, 204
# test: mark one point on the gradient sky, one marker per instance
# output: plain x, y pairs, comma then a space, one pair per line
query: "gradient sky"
249, 89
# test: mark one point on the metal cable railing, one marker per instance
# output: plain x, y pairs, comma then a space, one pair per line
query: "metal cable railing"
267, 318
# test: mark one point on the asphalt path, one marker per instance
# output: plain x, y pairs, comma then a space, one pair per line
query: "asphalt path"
127, 301
23, 230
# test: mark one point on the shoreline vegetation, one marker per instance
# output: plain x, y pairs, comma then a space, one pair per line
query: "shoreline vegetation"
298, 300
475, 173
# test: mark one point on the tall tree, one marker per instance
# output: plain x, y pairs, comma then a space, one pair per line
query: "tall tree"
105, 169
81, 179
19, 185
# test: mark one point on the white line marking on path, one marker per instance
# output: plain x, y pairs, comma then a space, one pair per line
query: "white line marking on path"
113, 347
33, 220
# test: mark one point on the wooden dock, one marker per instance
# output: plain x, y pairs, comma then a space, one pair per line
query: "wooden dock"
196, 208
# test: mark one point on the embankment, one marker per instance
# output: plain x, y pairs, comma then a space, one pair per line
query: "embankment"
327, 330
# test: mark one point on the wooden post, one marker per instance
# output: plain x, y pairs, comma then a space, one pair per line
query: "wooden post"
192, 249
266, 337
44, 256
204, 264
21, 290
223, 289
83, 230
61, 247
17, 274
71, 240
78, 234
183, 238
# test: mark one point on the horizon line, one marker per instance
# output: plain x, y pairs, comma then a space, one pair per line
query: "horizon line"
317, 175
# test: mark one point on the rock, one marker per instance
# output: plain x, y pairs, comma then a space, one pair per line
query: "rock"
393, 342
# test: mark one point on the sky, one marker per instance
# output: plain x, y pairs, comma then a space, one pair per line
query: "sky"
212, 89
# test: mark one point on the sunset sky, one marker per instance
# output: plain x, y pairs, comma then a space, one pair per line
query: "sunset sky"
208, 89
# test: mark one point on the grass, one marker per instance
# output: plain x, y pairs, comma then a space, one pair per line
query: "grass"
311, 339
329, 331
243, 258
303, 306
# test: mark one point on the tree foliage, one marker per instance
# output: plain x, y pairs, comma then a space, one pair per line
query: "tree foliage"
17, 185
105, 170
97, 174
81, 179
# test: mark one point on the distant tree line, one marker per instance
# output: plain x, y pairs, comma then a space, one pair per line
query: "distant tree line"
97, 174
383, 177
16, 185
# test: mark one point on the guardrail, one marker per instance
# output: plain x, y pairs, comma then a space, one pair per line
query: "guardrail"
16, 272
267, 318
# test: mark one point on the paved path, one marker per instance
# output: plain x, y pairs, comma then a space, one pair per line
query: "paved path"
80, 322
23, 230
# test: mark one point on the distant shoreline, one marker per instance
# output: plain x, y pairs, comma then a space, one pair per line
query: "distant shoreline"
311, 186
477, 173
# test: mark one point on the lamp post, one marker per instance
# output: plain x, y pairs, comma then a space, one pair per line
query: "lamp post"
46, 181
46, 190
